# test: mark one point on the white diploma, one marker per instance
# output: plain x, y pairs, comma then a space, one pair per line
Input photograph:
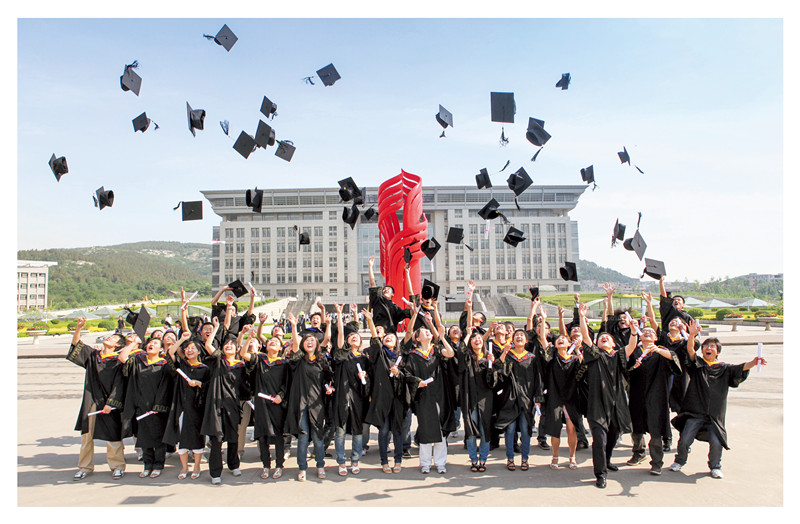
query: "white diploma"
427, 381
406, 301
268, 397
758, 366
186, 303
140, 417
500, 392
363, 380
97, 412
571, 348
184, 375
633, 324
252, 406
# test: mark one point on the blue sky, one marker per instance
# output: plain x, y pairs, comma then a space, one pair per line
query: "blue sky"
697, 102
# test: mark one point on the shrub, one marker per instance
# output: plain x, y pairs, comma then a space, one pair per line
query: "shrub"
754, 309
155, 322
55, 321
37, 326
107, 325
696, 312
20, 326
743, 309
72, 325
722, 312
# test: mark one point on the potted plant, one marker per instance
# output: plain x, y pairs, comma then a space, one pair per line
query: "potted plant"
37, 328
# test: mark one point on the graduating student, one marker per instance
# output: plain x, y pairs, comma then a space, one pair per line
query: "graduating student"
616, 324
148, 396
188, 403
102, 390
222, 410
252, 346
496, 340
270, 372
387, 409
704, 405
425, 373
468, 317
606, 409
671, 307
317, 327
311, 382
534, 320
385, 312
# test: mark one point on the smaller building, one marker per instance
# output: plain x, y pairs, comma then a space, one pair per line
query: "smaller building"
32, 284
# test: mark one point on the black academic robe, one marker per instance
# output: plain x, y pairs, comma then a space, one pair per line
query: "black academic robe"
385, 312
679, 382
576, 322
561, 384
463, 322
649, 391
477, 384
386, 395
522, 388
420, 322
223, 410
307, 390
236, 325
102, 385
351, 397
319, 333
605, 390
270, 378
620, 335
707, 395
149, 388
189, 402
668, 312
433, 404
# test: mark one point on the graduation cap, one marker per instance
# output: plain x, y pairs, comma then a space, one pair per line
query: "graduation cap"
304, 238
636, 243
429, 290
269, 108
328, 74
490, 211
141, 123
455, 235
225, 38
245, 144
564, 82
536, 134
103, 198
225, 125
518, 182
625, 158
265, 135
618, 234
534, 292
483, 179
654, 268
569, 271
445, 118
350, 215
430, 247
130, 81
139, 321
254, 198
238, 288
348, 190
407, 256
285, 150
513, 236
503, 110
369, 213
58, 166
195, 117
587, 174
191, 210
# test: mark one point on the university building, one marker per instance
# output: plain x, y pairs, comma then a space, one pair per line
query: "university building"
264, 249
32, 284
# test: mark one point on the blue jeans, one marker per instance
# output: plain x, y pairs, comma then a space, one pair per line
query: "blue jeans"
524, 437
355, 452
407, 431
472, 445
383, 442
302, 444
693, 425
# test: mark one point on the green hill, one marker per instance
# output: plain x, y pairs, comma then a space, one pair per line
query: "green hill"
591, 271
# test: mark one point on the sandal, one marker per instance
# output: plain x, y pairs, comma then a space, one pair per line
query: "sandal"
474, 467
182, 475
342, 470
195, 475
572, 463
265, 474
278, 473
482, 467
354, 468
155, 474
510, 465
145, 473
524, 466
397, 468
387, 468
554, 463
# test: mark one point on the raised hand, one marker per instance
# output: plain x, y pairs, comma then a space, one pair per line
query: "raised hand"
80, 323
230, 300
262, 317
367, 313
648, 297
371, 261
583, 309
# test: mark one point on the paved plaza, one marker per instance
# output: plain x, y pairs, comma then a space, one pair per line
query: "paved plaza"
48, 399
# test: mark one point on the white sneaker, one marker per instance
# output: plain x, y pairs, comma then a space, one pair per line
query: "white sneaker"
216, 481
425, 469
236, 472
716, 474
675, 467
442, 470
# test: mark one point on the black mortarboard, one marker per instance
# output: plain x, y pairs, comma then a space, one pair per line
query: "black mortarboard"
429, 290
59, 166
254, 198
569, 271
369, 213
445, 118
225, 125
238, 288
103, 198
587, 174
269, 108
304, 238
195, 117
328, 74
430, 247
130, 81
490, 211
638, 245
518, 182
483, 179
348, 190
618, 234
407, 256
191, 210
536, 134
455, 235
503, 107
265, 135
225, 38
534, 292
350, 216
624, 158
513, 236
141, 123
285, 150
139, 322
654, 268
564, 82
245, 144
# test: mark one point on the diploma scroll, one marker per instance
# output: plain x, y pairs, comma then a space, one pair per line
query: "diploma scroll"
427, 381
268, 397
363, 380
252, 406
97, 412
633, 324
185, 376
186, 303
140, 417
758, 366
396, 363
572, 348
406, 301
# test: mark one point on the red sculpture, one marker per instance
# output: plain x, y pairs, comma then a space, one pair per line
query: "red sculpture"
401, 193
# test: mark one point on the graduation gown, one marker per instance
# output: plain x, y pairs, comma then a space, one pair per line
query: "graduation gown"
605, 391
351, 397
477, 384
187, 401
681, 381
307, 390
270, 378
102, 385
668, 312
561, 384
707, 395
522, 379
222, 412
149, 388
649, 391
433, 404
386, 394
385, 312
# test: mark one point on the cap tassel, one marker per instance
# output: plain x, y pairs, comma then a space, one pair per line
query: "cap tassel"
638, 221
308, 80
442, 135
637, 168
594, 186
503, 139
133, 65
156, 126
95, 201
209, 37
179, 205
467, 246
516, 204
536, 154
505, 166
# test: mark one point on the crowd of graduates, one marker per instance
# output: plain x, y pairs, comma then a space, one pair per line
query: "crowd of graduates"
202, 382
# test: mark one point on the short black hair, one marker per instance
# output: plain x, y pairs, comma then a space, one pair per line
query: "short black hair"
712, 340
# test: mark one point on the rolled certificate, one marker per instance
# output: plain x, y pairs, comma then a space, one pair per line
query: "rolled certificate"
634, 324
184, 375
571, 348
363, 380
427, 381
684, 334
500, 392
97, 412
396, 363
406, 301
140, 417
486, 231
490, 364
758, 366
186, 303
268, 397
252, 406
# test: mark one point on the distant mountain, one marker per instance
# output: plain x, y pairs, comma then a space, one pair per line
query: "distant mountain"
124, 272
590, 271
